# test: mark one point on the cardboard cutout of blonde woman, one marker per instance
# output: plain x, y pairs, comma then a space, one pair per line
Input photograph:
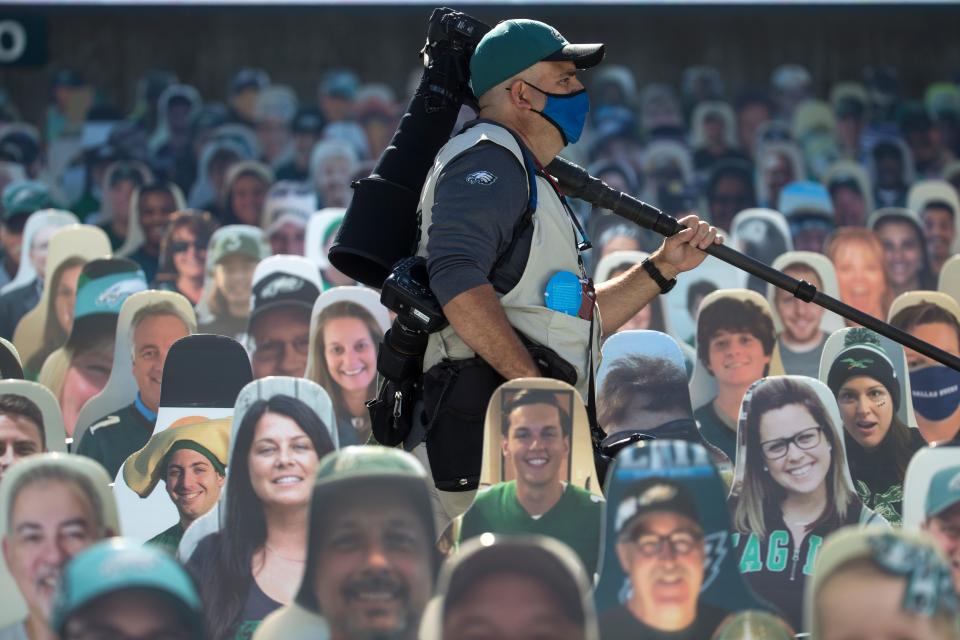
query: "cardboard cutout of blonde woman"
932, 500
642, 390
654, 315
45, 328
867, 375
250, 551
62, 501
362, 499
802, 327
148, 325
684, 302
81, 367
233, 254
735, 348
666, 517
949, 280
202, 378
35, 246
537, 474
762, 234
321, 232
346, 329
934, 388
792, 487
503, 584
10, 364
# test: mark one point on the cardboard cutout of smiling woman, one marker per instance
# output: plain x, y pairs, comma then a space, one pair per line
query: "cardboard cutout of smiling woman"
735, 348
934, 388
867, 375
792, 487
654, 315
932, 500
202, 377
249, 554
803, 327
346, 329
64, 502
537, 473
668, 564
46, 327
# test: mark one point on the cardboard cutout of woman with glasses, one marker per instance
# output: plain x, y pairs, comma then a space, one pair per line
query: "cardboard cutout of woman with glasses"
791, 488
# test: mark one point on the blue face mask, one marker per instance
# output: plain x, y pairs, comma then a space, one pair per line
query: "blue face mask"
566, 111
935, 391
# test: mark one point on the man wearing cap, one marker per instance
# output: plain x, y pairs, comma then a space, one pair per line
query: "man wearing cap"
279, 326
54, 506
153, 330
942, 516
536, 442
307, 126
809, 212
235, 251
190, 457
19, 200
516, 587
371, 559
286, 211
244, 89
660, 546
489, 263
120, 589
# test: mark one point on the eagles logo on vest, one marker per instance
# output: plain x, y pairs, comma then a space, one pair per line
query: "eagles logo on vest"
481, 178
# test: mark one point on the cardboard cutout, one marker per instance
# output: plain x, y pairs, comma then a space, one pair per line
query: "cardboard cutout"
319, 233
791, 443
351, 358
53, 433
616, 260
822, 266
711, 275
675, 482
293, 622
121, 388
949, 281
933, 387
202, 378
762, 234
546, 561
517, 465
10, 364
13, 608
924, 191
924, 465
135, 237
50, 219
654, 315
84, 241
305, 391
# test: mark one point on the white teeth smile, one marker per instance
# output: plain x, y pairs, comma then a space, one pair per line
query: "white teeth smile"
288, 480
353, 372
537, 462
800, 472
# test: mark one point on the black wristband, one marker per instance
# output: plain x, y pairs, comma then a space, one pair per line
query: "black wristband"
654, 273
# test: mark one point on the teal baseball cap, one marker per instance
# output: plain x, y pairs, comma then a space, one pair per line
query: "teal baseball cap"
118, 564
24, 197
513, 45
944, 491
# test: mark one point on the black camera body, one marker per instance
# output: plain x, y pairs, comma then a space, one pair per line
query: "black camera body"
406, 292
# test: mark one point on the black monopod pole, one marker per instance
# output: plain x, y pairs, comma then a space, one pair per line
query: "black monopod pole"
577, 183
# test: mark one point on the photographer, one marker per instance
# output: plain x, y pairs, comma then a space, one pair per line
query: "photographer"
494, 230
